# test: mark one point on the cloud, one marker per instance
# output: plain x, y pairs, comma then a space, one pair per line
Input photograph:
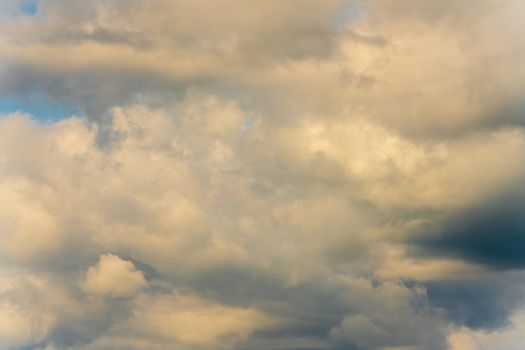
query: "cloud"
438, 69
193, 321
465, 339
313, 175
489, 234
394, 326
155, 46
178, 200
113, 277
484, 302
16, 329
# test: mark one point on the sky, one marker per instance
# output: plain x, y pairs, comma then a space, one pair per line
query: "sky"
262, 175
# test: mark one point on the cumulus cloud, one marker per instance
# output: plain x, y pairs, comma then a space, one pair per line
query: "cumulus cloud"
286, 175
184, 204
113, 277
190, 320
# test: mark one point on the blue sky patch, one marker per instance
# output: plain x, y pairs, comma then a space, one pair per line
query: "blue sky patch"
41, 111
29, 8
348, 12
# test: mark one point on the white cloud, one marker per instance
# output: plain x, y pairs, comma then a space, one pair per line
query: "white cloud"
114, 277
191, 320
15, 328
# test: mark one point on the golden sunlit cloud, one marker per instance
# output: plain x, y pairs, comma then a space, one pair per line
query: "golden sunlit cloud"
262, 175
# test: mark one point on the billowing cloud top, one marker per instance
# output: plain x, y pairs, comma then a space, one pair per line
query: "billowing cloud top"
262, 175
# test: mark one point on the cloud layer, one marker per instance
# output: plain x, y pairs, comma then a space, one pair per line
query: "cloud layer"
287, 175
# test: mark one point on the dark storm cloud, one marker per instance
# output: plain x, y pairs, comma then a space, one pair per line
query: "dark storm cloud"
492, 234
477, 302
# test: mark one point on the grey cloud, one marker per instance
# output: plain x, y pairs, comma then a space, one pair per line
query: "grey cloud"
492, 234
140, 49
238, 43
478, 303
